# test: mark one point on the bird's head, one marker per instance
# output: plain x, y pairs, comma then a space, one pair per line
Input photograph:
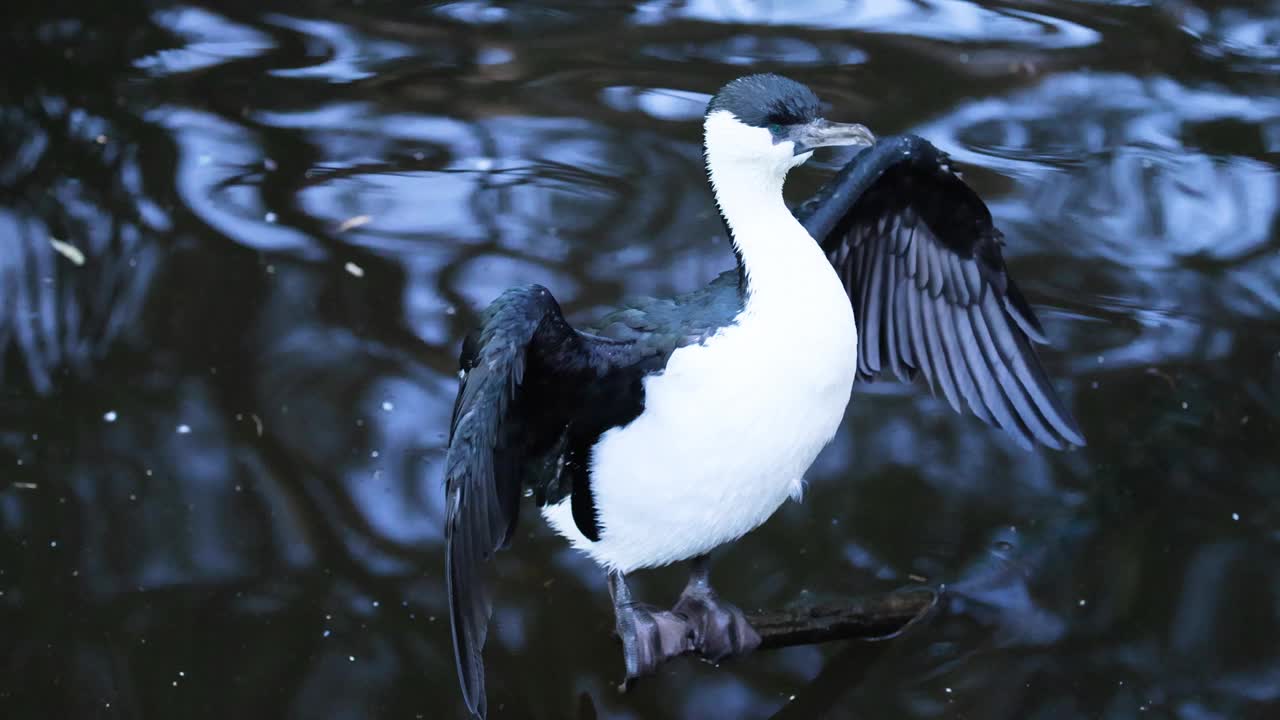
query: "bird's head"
768, 123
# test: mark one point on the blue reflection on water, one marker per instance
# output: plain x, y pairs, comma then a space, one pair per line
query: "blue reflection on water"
223, 430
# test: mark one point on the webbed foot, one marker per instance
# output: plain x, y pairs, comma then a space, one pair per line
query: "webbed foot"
719, 629
649, 636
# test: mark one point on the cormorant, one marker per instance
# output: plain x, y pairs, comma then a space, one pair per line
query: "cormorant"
674, 426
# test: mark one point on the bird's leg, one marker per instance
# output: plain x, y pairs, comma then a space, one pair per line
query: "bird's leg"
649, 636
719, 629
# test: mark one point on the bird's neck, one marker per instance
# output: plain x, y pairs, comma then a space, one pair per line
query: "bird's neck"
773, 249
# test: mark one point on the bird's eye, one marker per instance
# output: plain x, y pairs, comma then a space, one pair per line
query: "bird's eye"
775, 128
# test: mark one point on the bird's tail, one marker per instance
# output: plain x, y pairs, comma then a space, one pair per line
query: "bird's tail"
482, 482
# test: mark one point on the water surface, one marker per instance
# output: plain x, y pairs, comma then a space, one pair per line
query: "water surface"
224, 399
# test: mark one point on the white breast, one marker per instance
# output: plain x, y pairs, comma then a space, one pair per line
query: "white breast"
730, 426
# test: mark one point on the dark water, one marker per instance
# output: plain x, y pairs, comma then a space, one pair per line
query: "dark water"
221, 434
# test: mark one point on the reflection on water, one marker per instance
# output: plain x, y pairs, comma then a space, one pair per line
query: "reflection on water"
226, 386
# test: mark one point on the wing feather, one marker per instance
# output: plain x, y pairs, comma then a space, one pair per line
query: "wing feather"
875, 276
891, 335
937, 353
956, 359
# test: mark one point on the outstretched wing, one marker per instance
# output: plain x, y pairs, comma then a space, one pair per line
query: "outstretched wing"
921, 261
535, 395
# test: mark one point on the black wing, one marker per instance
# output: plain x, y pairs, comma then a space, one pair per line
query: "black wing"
921, 261
535, 395
482, 481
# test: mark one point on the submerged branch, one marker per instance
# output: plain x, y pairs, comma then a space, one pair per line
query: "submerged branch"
865, 618
870, 617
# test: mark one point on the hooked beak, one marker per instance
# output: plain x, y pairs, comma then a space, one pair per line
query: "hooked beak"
822, 133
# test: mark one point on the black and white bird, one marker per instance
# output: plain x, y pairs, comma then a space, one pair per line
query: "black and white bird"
674, 426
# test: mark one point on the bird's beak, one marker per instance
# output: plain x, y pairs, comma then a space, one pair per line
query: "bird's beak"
821, 133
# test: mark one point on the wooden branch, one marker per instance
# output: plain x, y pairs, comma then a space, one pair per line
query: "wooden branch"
871, 617
866, 618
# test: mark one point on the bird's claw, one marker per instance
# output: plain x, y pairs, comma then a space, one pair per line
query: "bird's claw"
718, 629
650, 638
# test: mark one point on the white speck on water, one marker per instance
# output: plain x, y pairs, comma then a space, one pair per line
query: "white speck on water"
388, 405
1184, 404
53, 543
148, 472
184, 429
268, 164
947, 690
450, 310
68, 251
373, 454
324, 634
790, 698
181, 674
484, 164
376, 603
269, 217
1094, 384
351, 658
110, 416
1235, 516
354, 269
204, 159
1082, 602
1099, 359
354, 221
